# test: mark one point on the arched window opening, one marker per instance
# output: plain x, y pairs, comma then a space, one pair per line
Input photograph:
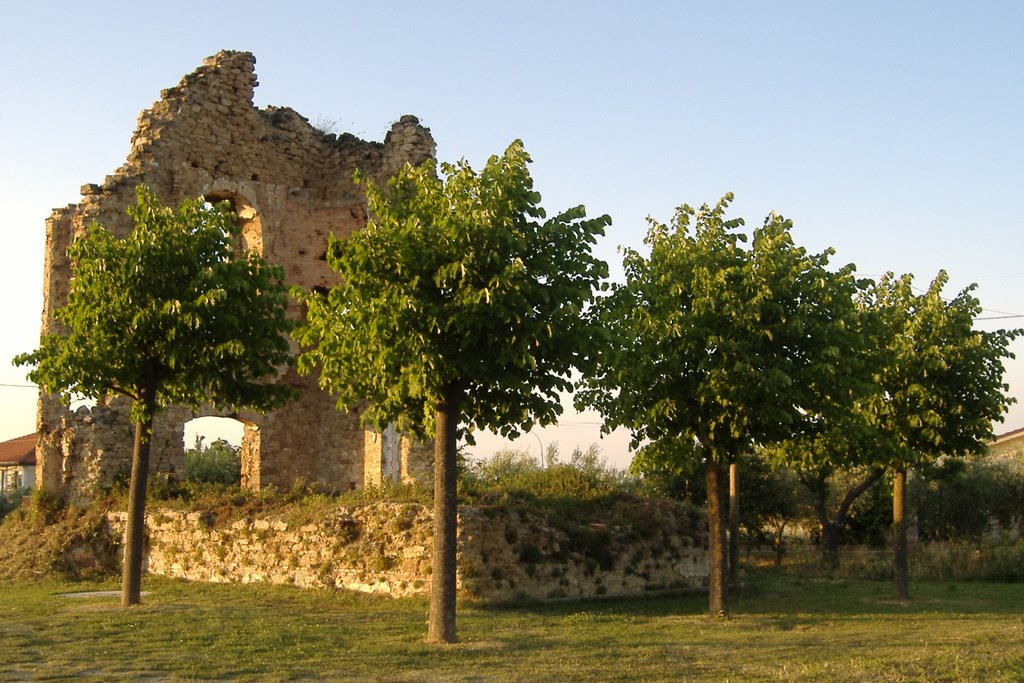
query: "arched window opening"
213, 450
248, 219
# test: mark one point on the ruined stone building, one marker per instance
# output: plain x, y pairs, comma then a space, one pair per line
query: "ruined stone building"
291, 186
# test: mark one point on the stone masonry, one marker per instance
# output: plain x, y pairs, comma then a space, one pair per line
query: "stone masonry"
291, 186
386, 547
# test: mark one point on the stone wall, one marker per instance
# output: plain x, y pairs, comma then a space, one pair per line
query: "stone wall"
504, 554
94, 445
291, 186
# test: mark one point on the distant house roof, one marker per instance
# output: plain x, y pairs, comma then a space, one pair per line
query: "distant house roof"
1007, 436
20, 451
1007, 444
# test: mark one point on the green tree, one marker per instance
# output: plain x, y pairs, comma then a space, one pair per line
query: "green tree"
169, 315
713, 348
460, 307
671, 469
940, 385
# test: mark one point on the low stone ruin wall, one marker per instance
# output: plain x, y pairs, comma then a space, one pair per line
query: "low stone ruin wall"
504, 553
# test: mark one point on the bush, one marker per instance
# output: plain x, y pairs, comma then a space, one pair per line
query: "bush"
218, 463
11, 500
968, 562
517, 474
929, 561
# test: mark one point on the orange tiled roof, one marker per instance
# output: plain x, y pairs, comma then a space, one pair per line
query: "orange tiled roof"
20, 451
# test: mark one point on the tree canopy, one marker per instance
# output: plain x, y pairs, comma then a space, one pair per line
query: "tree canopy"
940, 382
719, 344
457, 278
170, 314
460, 307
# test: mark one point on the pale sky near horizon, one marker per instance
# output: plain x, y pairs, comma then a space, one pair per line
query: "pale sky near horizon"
890, 131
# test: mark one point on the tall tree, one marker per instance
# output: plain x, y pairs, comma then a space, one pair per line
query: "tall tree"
169, 315
713, 348
940, 385
459, 307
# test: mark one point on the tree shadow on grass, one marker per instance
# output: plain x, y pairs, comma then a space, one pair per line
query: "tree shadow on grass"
780, 595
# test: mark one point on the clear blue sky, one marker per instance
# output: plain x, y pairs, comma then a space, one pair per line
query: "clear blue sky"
891, 131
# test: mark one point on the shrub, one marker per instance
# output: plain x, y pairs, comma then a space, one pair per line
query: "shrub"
929, 561
218, 463
505, 469
47, 539
530, 554
11, 500
518, 475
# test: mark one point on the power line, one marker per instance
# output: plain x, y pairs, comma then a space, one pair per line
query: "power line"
1003, 315
20, 386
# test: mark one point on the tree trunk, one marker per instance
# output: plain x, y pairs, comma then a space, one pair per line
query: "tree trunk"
901, 579
734, 525
830, 537
816, 482
718, 595
442, 581
131, 571
780, 549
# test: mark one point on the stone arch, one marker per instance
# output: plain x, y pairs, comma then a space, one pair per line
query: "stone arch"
248, 217
212, 427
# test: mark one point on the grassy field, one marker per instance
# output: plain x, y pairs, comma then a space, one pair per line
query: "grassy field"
784, 628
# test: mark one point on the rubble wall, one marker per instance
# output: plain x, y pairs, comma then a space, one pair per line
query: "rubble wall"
503, 553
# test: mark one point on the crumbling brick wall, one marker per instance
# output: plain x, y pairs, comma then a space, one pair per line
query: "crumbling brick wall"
291, 186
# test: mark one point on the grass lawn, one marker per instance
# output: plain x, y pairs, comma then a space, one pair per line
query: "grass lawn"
784, 628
